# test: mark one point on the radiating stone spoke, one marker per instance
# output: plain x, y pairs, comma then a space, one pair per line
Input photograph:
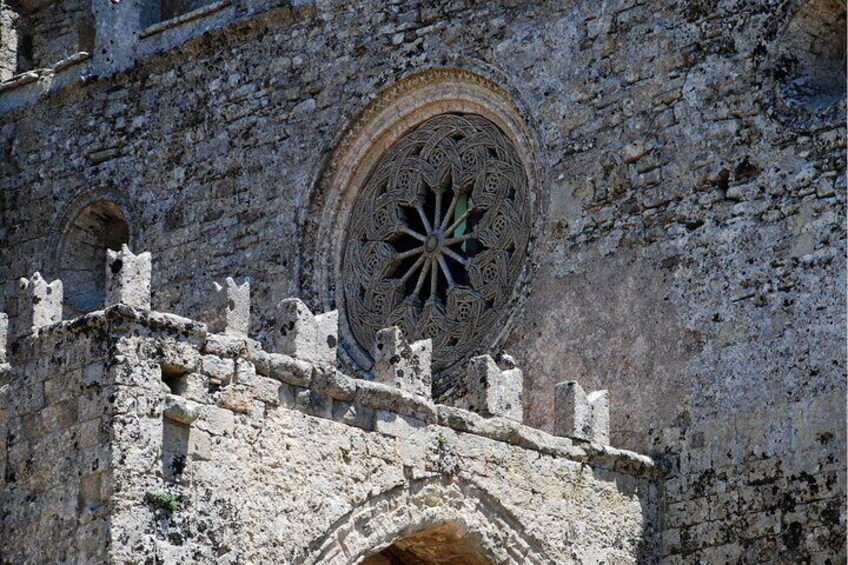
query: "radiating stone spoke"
422, 276
451, 208
412, 252
458, 239
413, 233
427, 227
438, 211
458, 221
455, 256
434, 281
443, 264
413, 268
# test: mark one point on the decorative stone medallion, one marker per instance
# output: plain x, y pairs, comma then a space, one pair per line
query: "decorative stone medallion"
437, 237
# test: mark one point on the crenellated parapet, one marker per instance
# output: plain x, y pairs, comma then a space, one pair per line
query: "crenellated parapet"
305, 359
129, 413
234, 301
492, 391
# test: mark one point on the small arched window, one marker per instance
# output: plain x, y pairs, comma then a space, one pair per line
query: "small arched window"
81, 262
812, 62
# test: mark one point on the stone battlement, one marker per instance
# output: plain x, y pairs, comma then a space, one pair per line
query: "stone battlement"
303, 373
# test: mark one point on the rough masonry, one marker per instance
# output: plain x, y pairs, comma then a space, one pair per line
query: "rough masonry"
686, 169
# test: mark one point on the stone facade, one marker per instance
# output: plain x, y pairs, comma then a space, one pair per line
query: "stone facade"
686, 161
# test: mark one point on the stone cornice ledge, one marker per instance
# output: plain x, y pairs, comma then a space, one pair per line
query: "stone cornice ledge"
47, 74
185, 18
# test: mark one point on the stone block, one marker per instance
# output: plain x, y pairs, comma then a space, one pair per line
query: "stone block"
181, 411
490, 391
40, 304
217, 421
305, 336
219, 370
353, 414
400, 363
232, 306
397, 425
128, 278
199, 445
580, 415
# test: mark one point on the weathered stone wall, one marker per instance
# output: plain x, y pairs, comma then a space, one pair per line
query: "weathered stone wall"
207, 449
55, 421
693, 259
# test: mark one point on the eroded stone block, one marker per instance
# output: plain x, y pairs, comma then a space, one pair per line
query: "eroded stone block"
303, 335
232, 304
580, 415
181, 411
400, 363
492, 391
40, 304
128, 278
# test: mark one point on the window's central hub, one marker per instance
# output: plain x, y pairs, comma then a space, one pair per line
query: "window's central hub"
433, 243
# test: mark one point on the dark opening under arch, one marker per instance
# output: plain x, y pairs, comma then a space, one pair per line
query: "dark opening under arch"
442, 544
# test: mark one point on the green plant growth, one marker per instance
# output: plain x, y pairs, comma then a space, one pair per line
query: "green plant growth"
162, 500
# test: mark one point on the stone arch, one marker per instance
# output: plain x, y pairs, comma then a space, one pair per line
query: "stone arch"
450, 506
436, 545
396, 111
91, 224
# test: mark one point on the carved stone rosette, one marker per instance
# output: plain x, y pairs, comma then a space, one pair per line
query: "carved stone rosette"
437, 237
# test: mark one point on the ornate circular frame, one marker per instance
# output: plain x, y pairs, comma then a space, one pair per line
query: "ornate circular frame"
396, 111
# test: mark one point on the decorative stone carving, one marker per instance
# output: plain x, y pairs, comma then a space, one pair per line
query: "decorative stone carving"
437, 237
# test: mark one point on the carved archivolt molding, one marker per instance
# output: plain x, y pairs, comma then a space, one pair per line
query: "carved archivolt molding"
341, 256
397, 513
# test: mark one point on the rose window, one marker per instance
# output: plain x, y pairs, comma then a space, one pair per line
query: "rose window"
437, 238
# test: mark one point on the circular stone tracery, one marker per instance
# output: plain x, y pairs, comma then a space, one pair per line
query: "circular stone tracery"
437, 238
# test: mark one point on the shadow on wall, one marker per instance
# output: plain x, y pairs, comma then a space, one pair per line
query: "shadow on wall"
155, 11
